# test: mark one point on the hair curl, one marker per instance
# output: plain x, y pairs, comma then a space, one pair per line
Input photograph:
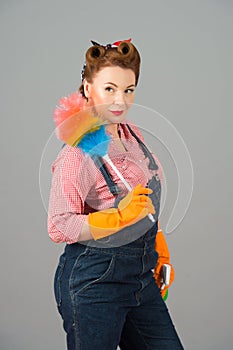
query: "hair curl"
97, 57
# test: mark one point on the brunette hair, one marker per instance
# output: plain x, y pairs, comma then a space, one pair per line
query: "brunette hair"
97, 57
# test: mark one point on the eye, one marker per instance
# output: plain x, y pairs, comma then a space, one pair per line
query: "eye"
129, 91
108, 88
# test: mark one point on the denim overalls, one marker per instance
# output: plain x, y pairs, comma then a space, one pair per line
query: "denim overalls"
106, 293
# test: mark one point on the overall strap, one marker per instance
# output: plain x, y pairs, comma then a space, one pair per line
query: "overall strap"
152, 164
114, 189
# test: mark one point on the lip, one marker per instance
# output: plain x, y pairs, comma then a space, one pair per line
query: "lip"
117, 112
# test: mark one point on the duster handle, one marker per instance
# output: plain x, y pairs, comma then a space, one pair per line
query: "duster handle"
106, 157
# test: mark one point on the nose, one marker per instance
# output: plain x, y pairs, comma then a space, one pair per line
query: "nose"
119, 98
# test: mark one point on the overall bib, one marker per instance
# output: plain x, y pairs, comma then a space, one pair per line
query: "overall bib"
106, 293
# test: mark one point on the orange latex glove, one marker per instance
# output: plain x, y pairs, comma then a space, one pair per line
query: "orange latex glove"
163, 258
133, 207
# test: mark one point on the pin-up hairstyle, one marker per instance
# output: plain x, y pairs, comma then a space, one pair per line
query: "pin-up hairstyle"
124, 55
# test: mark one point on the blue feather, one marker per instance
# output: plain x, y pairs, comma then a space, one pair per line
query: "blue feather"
96, 142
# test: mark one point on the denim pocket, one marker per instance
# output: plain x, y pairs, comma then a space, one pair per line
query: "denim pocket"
90, 269
57, 280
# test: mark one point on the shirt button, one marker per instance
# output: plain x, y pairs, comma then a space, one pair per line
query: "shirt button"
140, 160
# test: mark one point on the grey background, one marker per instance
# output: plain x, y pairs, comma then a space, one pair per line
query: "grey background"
187, 55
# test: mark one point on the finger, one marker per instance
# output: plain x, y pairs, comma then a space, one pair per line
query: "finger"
147, 206
151, 209
142, 190
141, 198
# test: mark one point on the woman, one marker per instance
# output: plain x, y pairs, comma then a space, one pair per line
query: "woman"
108, 284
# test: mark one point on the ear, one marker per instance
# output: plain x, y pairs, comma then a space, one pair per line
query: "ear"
86, 88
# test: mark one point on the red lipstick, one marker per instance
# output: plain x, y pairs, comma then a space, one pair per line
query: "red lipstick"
117, 112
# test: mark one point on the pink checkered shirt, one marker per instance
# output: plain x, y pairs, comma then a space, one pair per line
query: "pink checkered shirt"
78, 186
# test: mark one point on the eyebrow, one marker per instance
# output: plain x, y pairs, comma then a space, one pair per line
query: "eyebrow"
109, 82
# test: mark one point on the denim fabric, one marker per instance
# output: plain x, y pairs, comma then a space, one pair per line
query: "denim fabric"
108, 297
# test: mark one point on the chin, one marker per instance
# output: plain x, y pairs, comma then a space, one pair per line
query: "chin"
116, 120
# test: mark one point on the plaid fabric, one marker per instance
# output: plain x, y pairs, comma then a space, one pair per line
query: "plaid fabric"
78, 186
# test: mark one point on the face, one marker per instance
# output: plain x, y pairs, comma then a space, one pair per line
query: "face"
111, 93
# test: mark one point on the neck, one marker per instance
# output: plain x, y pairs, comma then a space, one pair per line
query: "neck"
113, 129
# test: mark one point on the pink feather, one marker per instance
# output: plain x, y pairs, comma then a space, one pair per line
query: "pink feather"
72, 120
68, 106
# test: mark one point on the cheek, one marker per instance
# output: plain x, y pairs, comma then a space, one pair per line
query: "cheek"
130, 100
100, 98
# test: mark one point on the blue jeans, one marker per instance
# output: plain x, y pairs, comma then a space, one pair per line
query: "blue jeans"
108, 297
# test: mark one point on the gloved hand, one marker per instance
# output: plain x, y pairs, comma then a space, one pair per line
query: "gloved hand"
163, 258
133, 207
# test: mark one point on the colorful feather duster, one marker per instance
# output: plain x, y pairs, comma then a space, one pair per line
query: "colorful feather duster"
72, 121
78, 127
